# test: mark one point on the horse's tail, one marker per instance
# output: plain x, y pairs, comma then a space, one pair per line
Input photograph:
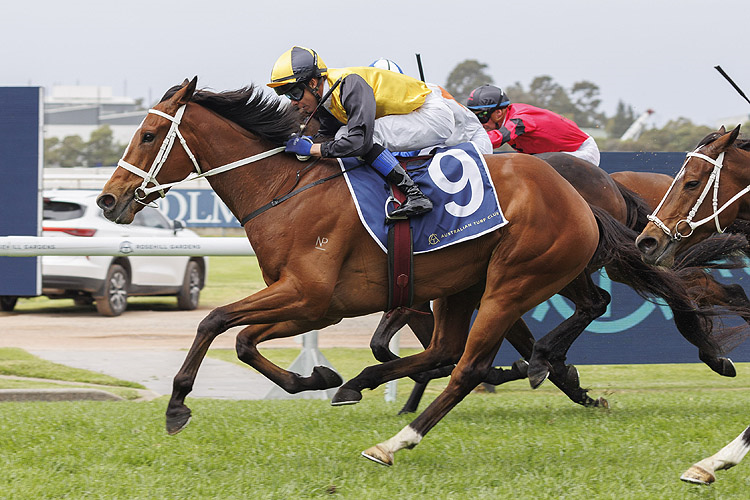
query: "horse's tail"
617, 251
638, 209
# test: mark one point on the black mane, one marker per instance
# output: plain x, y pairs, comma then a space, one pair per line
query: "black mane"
249, 107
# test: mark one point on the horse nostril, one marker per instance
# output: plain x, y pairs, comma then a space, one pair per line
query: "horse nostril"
646, 245
105, 201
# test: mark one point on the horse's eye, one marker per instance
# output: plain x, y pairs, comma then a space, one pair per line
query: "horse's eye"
148, 137
692, 184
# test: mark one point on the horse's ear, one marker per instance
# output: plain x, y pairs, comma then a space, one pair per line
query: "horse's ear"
184, 95
733, 135
722, 130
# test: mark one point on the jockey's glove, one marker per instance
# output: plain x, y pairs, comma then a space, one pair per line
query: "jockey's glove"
299, 145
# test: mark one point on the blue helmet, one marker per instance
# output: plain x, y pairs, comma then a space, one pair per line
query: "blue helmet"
383, 63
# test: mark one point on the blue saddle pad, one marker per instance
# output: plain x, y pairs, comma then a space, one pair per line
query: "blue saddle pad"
457, 181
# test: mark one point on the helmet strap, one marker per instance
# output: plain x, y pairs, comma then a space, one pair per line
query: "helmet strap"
315, 91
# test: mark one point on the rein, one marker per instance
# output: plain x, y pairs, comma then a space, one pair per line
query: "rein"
718, 163
293, 192
149, 177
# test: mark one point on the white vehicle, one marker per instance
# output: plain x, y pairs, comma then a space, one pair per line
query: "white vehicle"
108, 281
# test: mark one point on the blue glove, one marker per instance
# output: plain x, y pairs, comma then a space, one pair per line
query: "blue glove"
299, 145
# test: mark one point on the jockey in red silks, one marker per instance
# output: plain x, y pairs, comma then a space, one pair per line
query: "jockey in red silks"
529, 129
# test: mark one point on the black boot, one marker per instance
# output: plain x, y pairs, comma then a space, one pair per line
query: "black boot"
416, 202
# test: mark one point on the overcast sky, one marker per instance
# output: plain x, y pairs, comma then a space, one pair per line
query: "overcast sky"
647, 53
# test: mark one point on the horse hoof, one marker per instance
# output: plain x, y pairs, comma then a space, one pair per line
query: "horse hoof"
521, 368
697, 475
178, 420
379, 455
538, 373
571, 378
346, 396
727, 368
721, 365
406, 411
325, 378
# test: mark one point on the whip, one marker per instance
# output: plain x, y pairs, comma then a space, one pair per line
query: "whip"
718, 68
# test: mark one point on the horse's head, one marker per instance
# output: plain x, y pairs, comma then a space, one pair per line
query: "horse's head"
147, 164
696, 205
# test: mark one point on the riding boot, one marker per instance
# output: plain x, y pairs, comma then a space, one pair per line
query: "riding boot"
416, 202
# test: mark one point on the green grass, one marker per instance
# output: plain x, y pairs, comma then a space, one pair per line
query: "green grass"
15, 362
515, 444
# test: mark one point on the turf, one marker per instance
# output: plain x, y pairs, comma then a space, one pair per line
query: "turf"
514, 442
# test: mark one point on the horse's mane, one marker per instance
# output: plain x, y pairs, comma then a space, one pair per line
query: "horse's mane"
741, 142
249, 107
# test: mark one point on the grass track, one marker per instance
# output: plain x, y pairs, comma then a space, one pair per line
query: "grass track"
516, 442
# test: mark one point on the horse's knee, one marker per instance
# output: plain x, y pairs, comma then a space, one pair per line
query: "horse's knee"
469, 377
213, 324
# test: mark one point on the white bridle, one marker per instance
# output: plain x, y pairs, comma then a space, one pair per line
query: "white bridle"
161, 157
718, 163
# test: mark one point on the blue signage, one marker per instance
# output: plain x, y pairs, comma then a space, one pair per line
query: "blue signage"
20, 170
633, 330
197, 208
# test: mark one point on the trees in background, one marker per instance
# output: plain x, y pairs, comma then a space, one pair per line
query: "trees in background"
581, 103
73, 151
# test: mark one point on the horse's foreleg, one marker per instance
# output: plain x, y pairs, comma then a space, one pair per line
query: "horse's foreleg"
420, 320
693, 330
441, 352
564, 377
590, 303
178, 414
278, 302
248, 339
703, 472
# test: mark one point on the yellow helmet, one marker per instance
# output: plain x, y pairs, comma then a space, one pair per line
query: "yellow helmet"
296, 65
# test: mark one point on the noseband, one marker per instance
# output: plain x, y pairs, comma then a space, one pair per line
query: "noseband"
675, 234
144, 190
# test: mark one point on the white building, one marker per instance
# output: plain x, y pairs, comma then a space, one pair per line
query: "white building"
79, 110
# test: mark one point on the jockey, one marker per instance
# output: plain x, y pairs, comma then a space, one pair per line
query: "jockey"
371, 112
529, 129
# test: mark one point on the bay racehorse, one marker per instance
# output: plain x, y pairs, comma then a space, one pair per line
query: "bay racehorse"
601, 190
709, 193
551, 237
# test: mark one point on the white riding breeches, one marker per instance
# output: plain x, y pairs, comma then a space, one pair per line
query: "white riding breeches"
588, 151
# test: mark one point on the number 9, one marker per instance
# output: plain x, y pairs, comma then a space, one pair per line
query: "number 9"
470, 174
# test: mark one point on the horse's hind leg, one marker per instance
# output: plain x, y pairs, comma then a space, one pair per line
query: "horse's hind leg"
591, 302
704, 471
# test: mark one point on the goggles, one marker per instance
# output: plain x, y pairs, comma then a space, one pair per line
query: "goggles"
483, 114
296, 93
